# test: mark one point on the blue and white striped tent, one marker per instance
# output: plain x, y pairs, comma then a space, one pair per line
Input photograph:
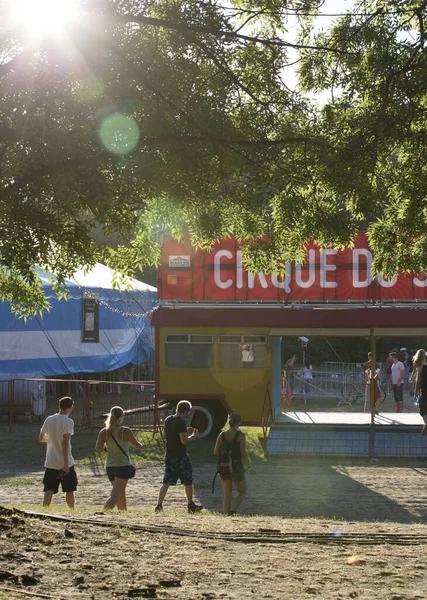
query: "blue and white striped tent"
54, 344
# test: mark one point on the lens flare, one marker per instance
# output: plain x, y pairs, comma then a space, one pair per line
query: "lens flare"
119, 134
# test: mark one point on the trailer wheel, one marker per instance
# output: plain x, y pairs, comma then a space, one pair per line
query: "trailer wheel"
208, 418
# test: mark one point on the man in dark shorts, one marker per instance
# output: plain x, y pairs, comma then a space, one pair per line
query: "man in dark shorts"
56, 433
177, 462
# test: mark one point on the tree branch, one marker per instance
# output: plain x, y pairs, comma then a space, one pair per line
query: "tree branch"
420, 17
195, 139
229, 35
225, 69
38, 174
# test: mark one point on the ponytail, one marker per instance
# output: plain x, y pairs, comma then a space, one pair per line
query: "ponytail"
111, 423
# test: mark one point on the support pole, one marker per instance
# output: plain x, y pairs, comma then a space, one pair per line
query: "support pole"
373, 374
372, 398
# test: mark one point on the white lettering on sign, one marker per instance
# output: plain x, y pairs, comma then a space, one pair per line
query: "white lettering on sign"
239, 270
357, 254
311, 271
325, 268
261, 277
385, 283
420, 282
283, 283
217, 269
316, 270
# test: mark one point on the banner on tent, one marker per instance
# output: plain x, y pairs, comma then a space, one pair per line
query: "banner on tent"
327, 275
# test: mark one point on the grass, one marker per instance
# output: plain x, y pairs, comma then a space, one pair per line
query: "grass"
17, 481
22, 452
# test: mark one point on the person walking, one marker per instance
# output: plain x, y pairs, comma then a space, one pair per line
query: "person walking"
307, 375
397, 376
237, 442
177, 462
389, 364
56, 432
377, 390
407, 363
115, 439
290, 374
420, 375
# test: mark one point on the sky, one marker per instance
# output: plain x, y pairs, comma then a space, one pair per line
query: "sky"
330, 7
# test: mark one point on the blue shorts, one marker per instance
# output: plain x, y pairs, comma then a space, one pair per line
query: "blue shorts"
178, 468
119, 472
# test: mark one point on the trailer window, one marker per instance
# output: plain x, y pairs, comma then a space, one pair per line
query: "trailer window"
177, 339
189, 351
242, 351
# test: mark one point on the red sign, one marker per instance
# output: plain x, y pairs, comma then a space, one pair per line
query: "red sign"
328, 275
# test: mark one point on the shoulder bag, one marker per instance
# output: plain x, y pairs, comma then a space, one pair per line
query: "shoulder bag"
132, 471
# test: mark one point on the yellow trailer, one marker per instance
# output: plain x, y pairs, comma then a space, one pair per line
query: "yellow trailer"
220, 369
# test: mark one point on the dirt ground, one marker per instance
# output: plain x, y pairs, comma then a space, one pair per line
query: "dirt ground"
325, 528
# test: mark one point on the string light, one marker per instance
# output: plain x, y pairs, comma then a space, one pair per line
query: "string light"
146, 313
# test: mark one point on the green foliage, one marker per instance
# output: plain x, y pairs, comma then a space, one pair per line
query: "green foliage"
180, 115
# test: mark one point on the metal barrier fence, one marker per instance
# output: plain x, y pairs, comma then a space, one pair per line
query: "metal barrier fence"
26, 400
345, 388
340, 367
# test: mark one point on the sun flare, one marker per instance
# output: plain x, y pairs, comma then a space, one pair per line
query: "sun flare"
42, 17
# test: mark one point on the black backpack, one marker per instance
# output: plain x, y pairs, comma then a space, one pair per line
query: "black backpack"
224, 465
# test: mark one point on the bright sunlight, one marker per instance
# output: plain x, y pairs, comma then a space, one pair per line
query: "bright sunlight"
42, 17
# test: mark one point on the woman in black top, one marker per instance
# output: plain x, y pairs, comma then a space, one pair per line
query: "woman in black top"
420, 373
237, 440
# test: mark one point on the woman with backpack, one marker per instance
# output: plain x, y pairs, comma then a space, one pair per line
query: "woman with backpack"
230, 448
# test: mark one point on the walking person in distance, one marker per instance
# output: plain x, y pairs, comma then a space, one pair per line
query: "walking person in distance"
115, 439
367, 368
235, 441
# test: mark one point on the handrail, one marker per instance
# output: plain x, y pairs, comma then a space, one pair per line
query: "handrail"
267, 410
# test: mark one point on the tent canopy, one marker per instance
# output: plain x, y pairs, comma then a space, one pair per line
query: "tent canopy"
100, 279
54, 343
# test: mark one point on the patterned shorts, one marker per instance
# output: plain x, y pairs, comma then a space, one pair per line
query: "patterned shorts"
178, 468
